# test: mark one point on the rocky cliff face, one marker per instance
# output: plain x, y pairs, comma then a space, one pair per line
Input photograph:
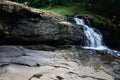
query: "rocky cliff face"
21, 23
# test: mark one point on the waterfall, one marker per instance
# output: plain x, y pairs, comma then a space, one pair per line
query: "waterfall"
93, 39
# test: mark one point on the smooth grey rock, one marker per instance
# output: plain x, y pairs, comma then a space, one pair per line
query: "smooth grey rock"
49, 65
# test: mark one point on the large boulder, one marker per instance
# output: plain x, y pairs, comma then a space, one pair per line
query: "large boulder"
20, 23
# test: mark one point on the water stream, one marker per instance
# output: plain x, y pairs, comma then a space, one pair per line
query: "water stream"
93, 38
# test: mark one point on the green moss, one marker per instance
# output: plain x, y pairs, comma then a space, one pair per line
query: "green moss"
57, 9
76, 9
66, 9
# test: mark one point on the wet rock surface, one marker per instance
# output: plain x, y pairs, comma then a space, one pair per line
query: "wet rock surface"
18, 63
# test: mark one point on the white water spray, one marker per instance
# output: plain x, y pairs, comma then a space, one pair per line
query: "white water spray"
94, 38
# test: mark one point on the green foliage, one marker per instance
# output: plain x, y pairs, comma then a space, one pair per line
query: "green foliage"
108, 8
67, 9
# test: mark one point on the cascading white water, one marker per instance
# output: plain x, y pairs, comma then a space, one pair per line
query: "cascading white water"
94, 38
